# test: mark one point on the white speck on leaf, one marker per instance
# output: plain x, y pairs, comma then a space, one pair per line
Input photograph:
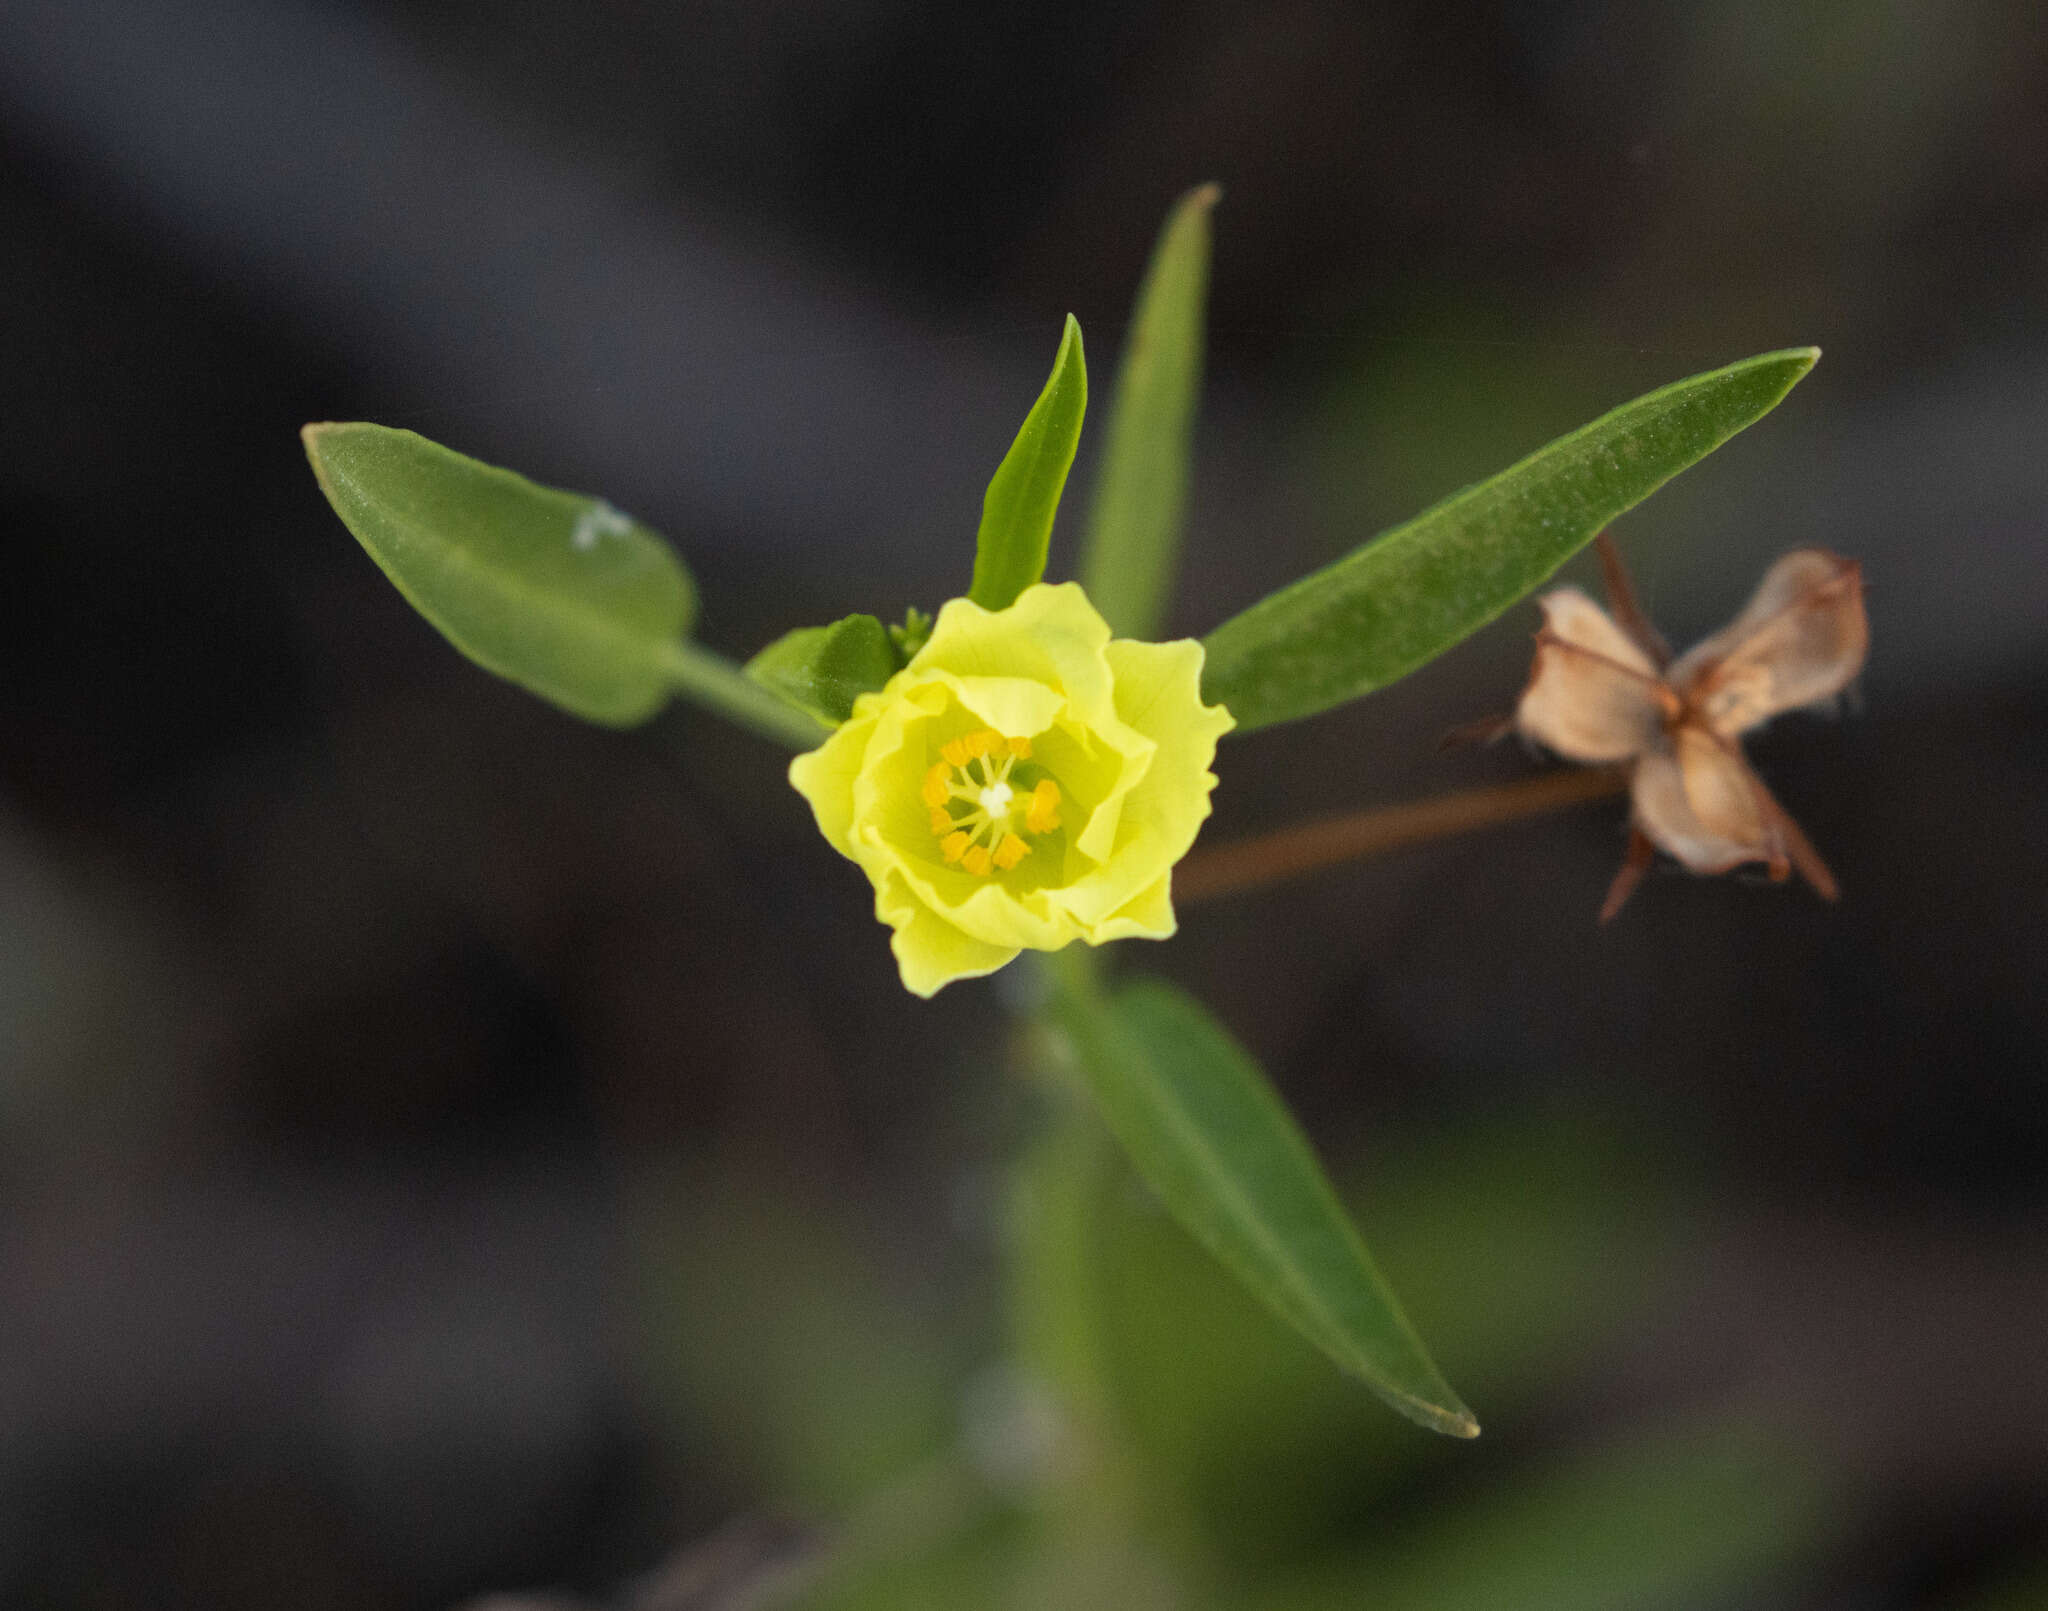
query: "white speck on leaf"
599, 520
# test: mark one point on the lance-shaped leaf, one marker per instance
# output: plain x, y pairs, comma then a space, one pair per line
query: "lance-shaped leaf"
824, 669
561, 593
1413, 592
1214, 1140
1141, 489
1024, 495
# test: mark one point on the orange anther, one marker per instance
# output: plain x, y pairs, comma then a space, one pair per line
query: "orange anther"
1044, 816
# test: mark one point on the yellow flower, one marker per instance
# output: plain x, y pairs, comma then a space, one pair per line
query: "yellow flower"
1024, 782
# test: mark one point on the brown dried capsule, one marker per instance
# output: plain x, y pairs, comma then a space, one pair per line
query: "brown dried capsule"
1604, 690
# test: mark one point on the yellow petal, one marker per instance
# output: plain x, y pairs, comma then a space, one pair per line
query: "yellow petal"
1017, 704
1159, 693
931, 953
1147, 915
1051, 636
825, 777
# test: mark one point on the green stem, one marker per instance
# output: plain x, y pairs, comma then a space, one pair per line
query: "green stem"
1054, 1313
1059, 1182
1117, 1534
718, 685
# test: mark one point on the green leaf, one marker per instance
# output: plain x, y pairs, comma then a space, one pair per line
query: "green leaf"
1134, 525
1024, 495
1692, 1516
561, 593
1413, 592
1214, 1140
824, 669
1561, 1233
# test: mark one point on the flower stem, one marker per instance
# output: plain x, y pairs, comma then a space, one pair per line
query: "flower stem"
1118, 1538
1254, 863
718, 685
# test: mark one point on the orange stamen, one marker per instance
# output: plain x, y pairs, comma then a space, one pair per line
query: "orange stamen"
1043, 816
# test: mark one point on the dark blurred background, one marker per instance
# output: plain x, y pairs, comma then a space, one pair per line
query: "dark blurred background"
445, 1149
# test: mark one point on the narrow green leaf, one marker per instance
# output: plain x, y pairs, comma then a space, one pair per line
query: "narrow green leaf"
1024, 495
1559, 1230
560, 593
1413, 592
824, 669
1134, 525
1212, 1137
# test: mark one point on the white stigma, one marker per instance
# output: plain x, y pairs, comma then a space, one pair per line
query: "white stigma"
995, 800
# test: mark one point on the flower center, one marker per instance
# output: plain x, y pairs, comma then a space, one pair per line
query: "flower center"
974, 771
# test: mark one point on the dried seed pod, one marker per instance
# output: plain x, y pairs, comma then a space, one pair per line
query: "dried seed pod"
1601, 692
1593, 695
1800, 640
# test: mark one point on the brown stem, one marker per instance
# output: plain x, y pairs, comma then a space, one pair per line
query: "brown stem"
1621, 599
1253, 863
1635, 863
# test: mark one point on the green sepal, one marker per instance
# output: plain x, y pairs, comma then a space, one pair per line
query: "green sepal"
912, 636
825, 669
